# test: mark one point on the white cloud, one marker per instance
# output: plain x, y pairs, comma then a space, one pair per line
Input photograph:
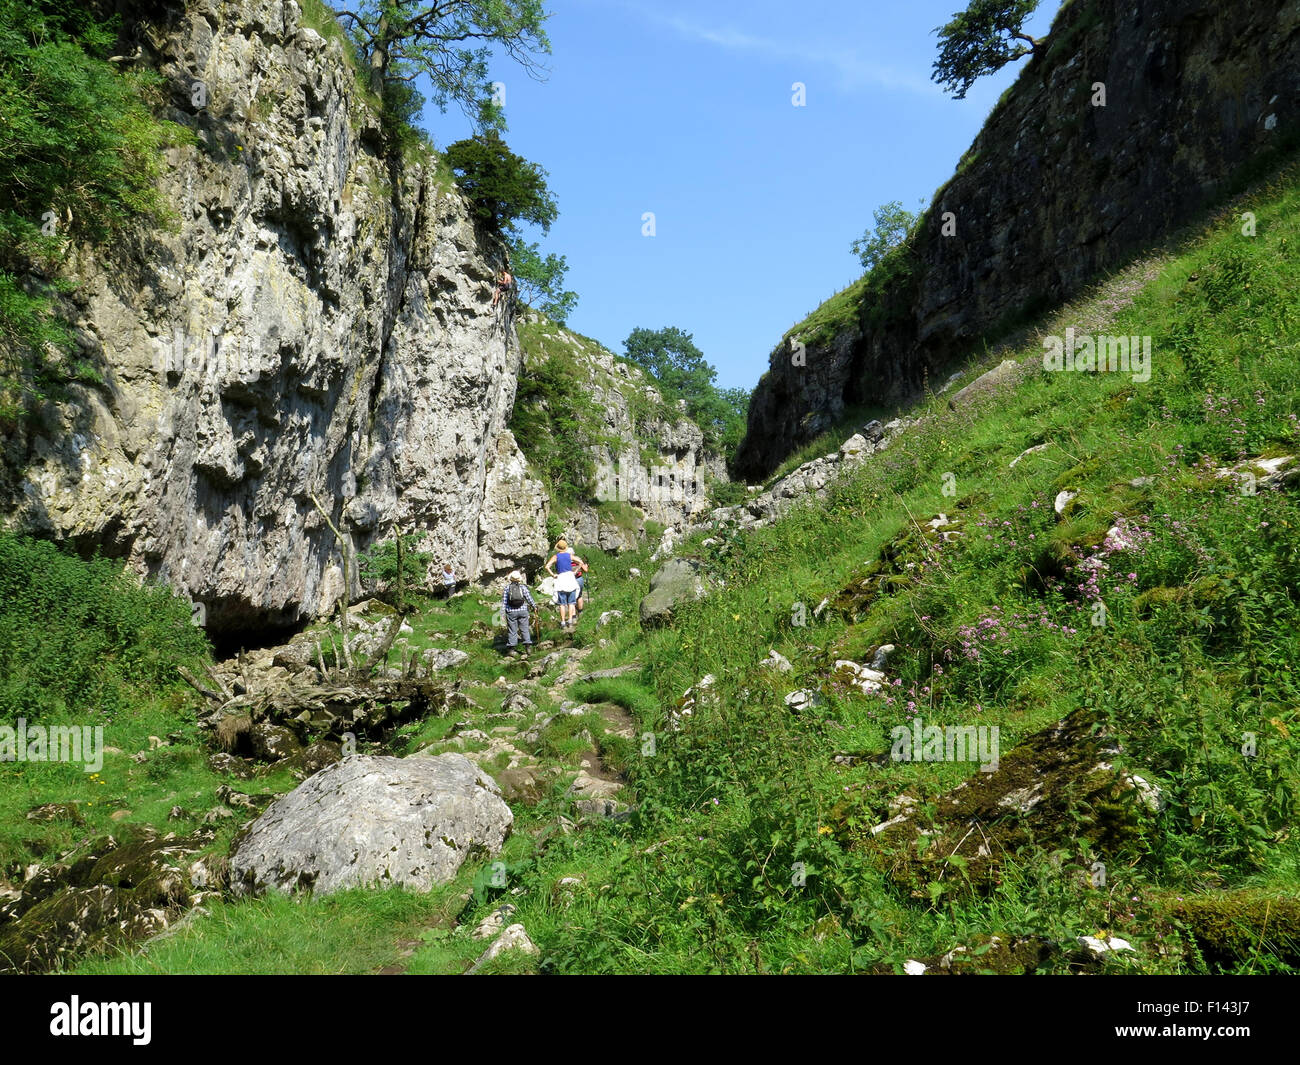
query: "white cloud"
852, 69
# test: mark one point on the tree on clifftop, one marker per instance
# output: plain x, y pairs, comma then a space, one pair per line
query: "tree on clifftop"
981, 40
448, 41
503, 189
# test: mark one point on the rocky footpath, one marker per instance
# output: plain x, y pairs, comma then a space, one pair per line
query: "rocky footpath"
315, 325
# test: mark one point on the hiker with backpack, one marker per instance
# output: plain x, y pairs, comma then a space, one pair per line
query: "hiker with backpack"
567, 586
516, 602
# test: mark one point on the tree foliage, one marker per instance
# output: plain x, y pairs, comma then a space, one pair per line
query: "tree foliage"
541, 281
894, 225
79, 160
669, 355
981, 40
556, 424
448, 42
503, 189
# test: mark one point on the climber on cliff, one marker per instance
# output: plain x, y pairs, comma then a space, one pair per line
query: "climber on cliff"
504, 284
516, 602
566, 582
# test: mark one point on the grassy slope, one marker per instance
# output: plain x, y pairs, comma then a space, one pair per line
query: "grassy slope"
1198, 649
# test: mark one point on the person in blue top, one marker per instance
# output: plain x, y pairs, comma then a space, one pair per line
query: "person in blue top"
563, 566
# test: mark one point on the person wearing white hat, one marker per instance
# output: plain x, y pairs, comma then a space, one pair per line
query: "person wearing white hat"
516, 602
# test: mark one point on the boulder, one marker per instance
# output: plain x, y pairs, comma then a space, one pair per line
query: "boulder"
513, 938
273, 742
678, 581
373, 821
439, 658
999, 377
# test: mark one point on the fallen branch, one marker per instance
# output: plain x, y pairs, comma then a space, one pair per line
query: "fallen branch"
193, 682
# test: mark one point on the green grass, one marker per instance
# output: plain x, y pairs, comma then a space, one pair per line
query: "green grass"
749, 847
831, 318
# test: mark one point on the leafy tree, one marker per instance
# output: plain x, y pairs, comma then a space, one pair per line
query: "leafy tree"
447, 41
894, 225
981, 40
503, 188
395, 564
670, 356
556, 424
79, 160
541, 281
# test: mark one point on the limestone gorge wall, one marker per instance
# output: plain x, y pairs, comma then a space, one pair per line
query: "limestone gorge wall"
1052, 191
315, 322
651, 463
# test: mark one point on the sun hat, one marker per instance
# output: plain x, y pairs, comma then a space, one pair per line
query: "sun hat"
516, 577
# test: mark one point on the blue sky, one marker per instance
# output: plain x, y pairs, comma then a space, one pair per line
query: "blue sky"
684, 108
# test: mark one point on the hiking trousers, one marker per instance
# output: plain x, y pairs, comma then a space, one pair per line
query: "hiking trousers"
517, 619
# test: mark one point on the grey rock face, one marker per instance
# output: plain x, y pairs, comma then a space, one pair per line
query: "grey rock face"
316, 324
658, 464
677, 582
374, 821
1053, 192
512, 524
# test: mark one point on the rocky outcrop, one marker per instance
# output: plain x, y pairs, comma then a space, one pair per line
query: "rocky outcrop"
373, 821
679, 581
107, 893
811, 480
651, 463
512, 523
1059, 186
316, 323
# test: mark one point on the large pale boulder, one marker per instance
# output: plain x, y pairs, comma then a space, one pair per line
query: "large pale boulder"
679, 581
373, 822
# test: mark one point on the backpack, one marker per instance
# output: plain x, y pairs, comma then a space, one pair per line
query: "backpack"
515, 596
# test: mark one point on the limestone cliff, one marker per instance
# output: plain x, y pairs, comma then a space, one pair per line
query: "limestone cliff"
649, 461
1133, 117
316, 323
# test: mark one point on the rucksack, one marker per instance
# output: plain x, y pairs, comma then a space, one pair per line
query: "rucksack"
515, 596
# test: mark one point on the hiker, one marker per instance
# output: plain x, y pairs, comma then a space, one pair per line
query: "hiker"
516, 602
566, 582
580, 571
503, 286
448, 580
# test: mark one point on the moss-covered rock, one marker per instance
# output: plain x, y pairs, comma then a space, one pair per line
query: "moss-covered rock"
1232, 927
1055, 789
108, 893
897, 566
